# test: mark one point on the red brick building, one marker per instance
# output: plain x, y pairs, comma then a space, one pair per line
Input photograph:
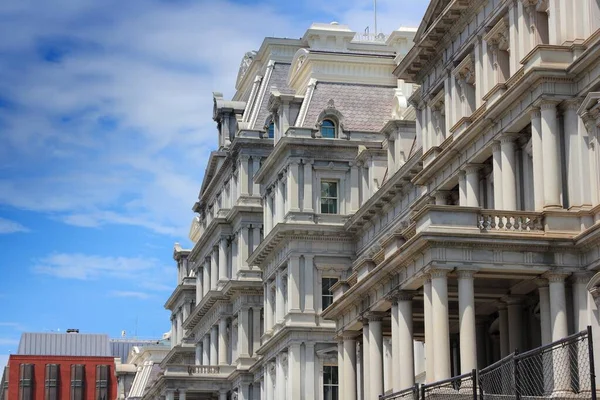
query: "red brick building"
71, 366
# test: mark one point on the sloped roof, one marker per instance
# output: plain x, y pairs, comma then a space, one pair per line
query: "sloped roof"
277, 81
121, 348
64, 344
366, 108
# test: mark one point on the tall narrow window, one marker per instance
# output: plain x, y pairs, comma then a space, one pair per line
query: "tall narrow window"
326, 293
26, 382
328, 129
77, 380
51, 382
101, 382
329, 197
330, 382
271, 130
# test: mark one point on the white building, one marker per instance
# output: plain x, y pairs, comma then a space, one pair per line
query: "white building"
344, 250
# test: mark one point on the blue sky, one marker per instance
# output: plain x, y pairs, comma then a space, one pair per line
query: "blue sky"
105, 129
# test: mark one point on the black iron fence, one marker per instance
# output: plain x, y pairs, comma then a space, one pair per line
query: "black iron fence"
559, 370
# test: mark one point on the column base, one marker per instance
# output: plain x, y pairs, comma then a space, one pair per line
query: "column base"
298, 318
245, 362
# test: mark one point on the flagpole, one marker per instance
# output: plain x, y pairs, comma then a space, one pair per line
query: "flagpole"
375, 10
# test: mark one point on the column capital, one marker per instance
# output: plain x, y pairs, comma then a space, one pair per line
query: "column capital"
541, 282
512, 300
535, 112
500, 305
547, 104
401, 295
439, 272
472, 168
466, 272
572, 104
350, 335
373, 316
508, 137
496, 145
582, 277
556, 276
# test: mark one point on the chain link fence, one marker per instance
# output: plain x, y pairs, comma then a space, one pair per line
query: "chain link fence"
561, 370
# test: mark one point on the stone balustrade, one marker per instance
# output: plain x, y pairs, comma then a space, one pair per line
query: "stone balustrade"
198, 370
511, 221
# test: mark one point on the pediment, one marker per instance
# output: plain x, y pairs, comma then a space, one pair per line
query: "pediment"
435, 9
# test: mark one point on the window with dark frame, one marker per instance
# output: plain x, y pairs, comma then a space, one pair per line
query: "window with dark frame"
271, 130
330, 382
326, 293
101, 382
51, 382
77, 381
328, 129
329, 197
26, 382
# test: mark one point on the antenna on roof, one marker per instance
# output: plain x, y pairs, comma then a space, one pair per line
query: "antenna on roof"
375, 13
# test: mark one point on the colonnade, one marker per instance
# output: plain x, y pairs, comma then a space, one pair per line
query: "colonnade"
553, 321
223, 346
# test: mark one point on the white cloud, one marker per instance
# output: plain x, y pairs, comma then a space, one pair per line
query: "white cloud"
13, 325
8, 226
132, 272
129, 294
8, 341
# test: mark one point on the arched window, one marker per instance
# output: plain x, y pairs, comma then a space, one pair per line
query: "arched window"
271, 130
328, 129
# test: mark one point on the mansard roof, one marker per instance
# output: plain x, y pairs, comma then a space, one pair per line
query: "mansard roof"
366, 108
277, 81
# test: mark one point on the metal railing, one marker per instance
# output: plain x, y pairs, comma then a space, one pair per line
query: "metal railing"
560, 370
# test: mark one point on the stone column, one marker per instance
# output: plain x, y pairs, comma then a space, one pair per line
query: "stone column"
243, 174
198, 355
309, 289
170, 394
179, 326
558, 306
497, 174
366, 359
309, 373
279, 303
255, 168
340, 363
441, 329
223, 259
182, 394
294, 371
509, 177
243, 325
222, 341
375, 356
538, 158
222, 395
551, 156
354, 187
462, 188
214, 345
294, 283
545, 324
255, 330
206, 278
269, 385
503, 328
571, 140
280, 377
243, 243
268, 217
280, 205
466, 311
580, 298
214, 268
472, 177
404, 362
255, 237
206, 350
199, 285
173, 330
307, 204
515, 330
268, 308
429, 334
349, 367
292, 187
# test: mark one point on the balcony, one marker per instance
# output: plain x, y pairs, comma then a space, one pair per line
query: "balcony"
198, 371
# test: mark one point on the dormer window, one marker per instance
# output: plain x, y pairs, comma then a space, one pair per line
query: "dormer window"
271, 130
328, 129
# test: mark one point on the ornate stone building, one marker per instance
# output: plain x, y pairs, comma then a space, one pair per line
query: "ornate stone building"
378, 214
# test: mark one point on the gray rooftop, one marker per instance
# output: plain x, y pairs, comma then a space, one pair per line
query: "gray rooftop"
277, 81
366, 108
121, 347
65, 344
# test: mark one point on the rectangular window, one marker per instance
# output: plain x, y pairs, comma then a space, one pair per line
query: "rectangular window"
101, 382
330, 382
326, 293
329, 197
77, 381
26, 382
51, 382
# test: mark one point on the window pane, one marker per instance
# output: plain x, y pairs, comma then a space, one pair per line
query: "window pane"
271, 130
327, 129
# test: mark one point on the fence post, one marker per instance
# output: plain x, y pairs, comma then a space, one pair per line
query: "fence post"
516, 375
416, 391
592, 366
474, 375
422, 392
